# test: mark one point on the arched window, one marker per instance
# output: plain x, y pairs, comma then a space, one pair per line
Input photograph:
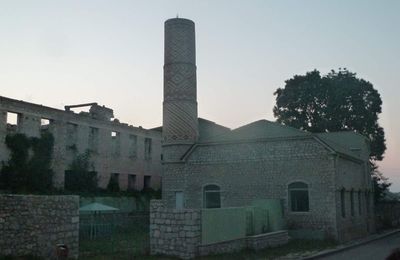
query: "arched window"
298, 197
211, 196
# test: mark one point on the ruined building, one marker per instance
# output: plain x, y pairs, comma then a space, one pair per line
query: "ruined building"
130, 155
322, 180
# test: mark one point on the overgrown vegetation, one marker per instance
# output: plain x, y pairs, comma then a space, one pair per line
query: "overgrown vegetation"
25, 257
295, 249
28, 169
148, 193
129, 239
81, 175
113, 185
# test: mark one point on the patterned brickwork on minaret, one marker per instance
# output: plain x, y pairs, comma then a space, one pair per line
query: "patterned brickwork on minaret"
180, 122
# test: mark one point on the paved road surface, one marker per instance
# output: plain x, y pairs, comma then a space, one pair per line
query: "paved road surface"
375, 250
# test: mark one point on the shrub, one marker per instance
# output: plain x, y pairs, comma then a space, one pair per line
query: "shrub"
28, 168
80, 176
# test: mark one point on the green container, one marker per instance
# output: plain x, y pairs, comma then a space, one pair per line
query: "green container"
222, 224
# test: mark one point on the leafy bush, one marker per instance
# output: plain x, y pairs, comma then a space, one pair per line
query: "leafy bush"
79, 177
28, 168
113, 185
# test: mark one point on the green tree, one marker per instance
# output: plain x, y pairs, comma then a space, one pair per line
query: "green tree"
80, 176
28, 168
113, 184
334, 102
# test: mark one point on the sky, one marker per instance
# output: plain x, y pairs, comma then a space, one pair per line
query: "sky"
65, 52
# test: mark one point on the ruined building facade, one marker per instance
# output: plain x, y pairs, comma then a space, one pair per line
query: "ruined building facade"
323, 180
131, 155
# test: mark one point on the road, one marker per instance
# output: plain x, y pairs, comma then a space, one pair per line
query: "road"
375, 250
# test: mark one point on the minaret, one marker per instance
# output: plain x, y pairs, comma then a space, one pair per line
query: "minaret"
180, 122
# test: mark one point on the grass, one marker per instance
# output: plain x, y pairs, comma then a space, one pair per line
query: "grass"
294, 247
26, 257
128, 246
128, 240
127, 243
131, 241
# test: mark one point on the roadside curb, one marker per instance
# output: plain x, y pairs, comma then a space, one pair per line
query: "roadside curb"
350, 246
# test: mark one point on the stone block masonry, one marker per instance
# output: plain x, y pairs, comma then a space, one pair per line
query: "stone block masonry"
35, 225
258, 242
178, 233
174, 232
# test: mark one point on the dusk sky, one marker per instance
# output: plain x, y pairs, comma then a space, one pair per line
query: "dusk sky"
111, 52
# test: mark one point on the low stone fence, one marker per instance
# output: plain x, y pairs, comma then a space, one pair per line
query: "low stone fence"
36, 225
179, 233
257, 242
174, 232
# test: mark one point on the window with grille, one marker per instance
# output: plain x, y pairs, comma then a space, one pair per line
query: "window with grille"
212, 196
298, 197
147, 148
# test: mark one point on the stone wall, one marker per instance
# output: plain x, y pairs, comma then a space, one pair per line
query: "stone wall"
357, 220
258, 170
179, 233
174, 232
247, 171
124, 153
35, 225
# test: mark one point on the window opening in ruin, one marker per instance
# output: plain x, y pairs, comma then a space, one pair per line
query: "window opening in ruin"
93, 139
72, 136
132, 145
367, 201
115, 138
44, 122
179, 200
68, 180
342, 202
359, 203
211, 196
146, 182
298, 197
352, 203
13, 120
131, 182
147, 148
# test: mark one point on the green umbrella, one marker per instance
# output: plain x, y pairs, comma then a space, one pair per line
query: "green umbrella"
96, 209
